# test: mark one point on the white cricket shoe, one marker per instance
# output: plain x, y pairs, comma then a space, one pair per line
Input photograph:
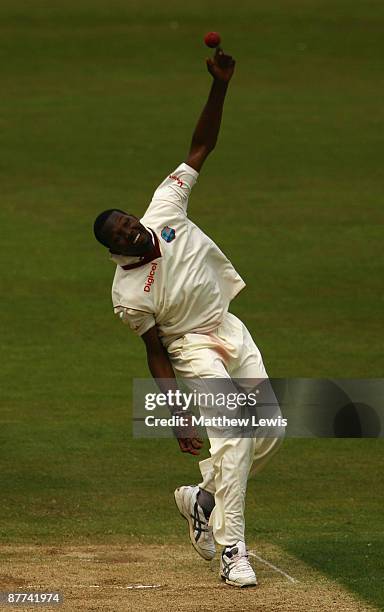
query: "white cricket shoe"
200, 533
235, 568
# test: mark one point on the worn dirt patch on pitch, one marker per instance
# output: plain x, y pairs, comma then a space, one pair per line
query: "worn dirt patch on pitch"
165, 578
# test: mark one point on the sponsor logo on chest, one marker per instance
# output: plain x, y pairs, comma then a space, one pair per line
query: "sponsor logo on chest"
150, 278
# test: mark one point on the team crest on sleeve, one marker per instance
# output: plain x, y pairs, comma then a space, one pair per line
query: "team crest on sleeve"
168, 234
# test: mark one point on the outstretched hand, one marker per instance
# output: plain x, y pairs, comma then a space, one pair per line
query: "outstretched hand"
221, 66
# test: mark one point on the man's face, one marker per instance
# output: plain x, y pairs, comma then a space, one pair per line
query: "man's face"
126, 235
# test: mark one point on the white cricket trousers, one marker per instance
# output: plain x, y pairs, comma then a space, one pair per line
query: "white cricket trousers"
227, 352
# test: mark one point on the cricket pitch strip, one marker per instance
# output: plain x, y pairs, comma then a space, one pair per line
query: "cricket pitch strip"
165, 578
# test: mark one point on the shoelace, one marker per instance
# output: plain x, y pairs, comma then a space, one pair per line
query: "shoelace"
241, 562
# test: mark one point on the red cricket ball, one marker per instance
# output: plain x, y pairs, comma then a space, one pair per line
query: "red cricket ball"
212, 39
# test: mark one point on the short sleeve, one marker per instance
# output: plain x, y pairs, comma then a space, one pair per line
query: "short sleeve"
139, 321
176, 188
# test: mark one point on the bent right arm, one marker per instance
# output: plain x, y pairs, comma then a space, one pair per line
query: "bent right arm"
162, 371
204, 138
158, 360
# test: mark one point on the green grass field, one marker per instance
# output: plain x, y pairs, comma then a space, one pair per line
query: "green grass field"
98, 104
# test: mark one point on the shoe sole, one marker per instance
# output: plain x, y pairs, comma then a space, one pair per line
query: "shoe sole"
178, 502
236, 584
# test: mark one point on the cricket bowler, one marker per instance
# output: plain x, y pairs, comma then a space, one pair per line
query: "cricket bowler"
173, 287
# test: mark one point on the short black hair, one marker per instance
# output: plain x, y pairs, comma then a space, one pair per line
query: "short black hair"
99, 223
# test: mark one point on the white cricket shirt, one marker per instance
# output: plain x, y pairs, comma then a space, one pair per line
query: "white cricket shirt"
187, 289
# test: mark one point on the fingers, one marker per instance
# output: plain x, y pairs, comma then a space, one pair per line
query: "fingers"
221, 66
197, 442
226, 61
190, 445
183, 445
222, 59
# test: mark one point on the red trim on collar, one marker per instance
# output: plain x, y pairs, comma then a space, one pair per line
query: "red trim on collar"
154, 254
